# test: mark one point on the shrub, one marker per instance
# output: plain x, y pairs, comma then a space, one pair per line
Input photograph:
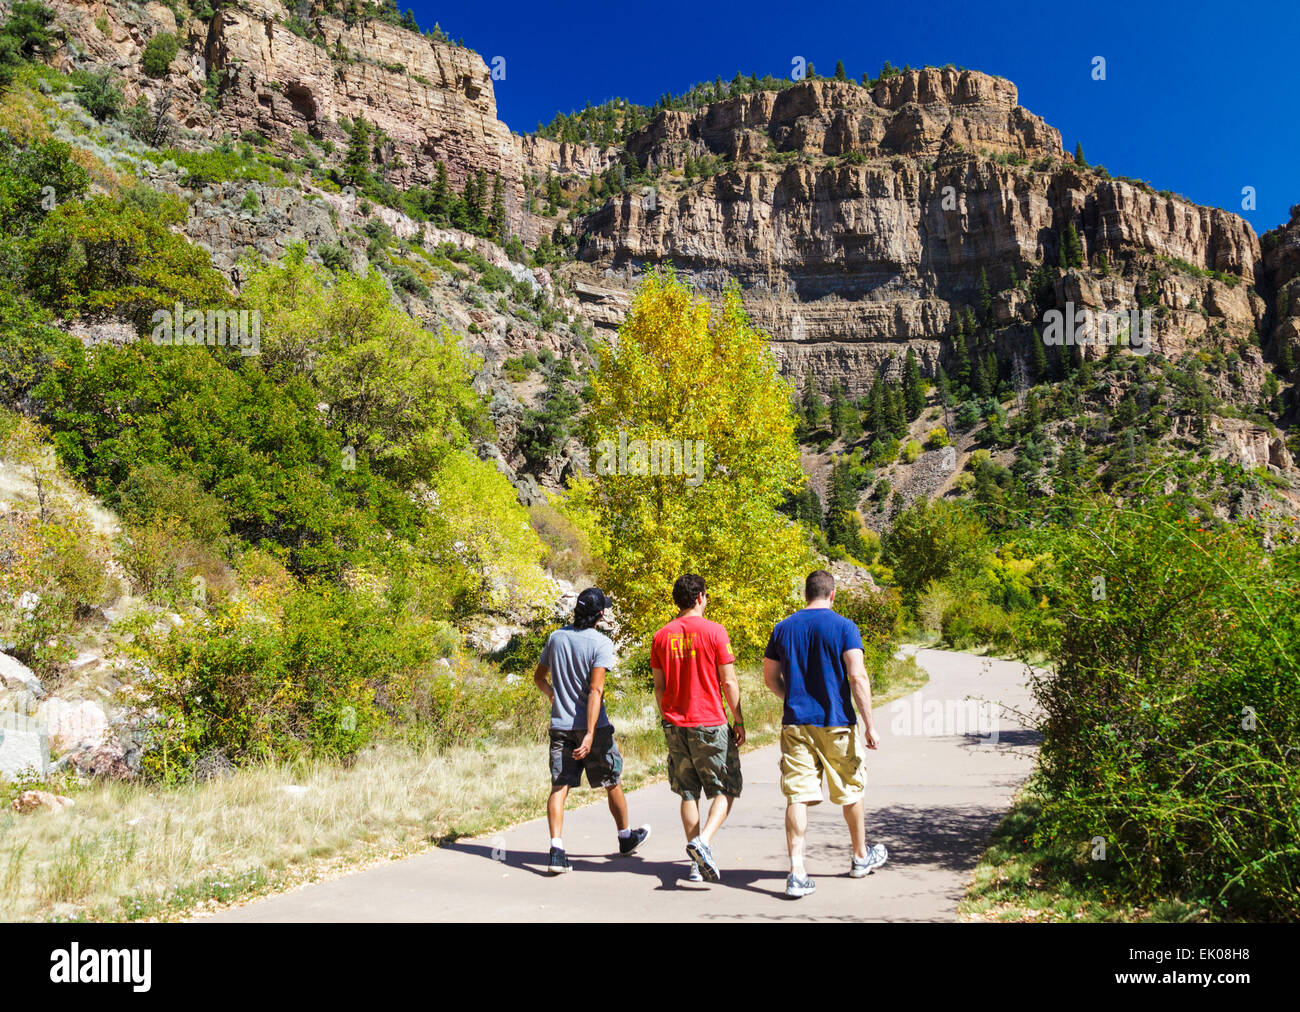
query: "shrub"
158, 54
571, 551
260, 680
99, 94
931, 541
937, 439
878, 616
1172, 710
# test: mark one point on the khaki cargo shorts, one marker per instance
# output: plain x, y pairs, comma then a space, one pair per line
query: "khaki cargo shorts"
808, 753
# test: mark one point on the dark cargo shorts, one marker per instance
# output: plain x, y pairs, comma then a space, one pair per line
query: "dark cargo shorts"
604, 764
702, 760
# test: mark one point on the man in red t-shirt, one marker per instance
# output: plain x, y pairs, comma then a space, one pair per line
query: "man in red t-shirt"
693, 669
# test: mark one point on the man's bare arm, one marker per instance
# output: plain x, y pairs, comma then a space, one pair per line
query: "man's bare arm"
661, 686
731, 690
773, 678
542, 680
595, 693
860, 685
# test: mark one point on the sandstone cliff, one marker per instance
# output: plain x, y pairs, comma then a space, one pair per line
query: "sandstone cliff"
859, 219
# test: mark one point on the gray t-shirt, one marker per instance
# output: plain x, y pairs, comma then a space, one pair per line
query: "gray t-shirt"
569, 655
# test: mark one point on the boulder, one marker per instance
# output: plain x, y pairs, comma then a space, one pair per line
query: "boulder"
40, 801
107, 761
73, 725
24, 747
16, 675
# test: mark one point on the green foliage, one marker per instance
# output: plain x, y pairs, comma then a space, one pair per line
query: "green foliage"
25, 35
158, 54
933, 541
1173, 707
98, 93
275, 679
399, 394
103, 256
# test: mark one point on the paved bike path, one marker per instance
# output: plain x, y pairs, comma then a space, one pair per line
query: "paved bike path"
941, 780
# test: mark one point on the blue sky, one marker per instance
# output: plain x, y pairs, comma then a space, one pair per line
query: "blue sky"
1198, 98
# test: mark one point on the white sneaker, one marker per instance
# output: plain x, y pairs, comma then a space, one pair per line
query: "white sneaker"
864, 866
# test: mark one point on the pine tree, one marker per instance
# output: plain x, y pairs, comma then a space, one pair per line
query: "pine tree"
1073, 246
986, 298
961, 357
497, 218
877, 411
841, 411
913, 392
440, 196
840, 75
1079, 160
1038, 357
356, 164
813, 409
896, 410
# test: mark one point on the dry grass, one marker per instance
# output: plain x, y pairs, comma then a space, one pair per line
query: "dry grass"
130, 851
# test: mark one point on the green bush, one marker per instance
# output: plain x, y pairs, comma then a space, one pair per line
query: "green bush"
1172, 708
266, 679
98, 93
158, 54
878, 616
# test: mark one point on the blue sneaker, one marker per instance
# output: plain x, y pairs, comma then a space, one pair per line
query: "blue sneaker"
559, 863
629, 843
694, 874
702, 854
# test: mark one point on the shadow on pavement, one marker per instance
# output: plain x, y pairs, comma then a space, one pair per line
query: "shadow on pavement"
671, 874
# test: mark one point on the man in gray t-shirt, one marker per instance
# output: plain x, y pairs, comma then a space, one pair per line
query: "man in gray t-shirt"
571, 674
570, 655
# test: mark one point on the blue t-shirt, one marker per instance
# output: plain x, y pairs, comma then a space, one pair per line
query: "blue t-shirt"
810, 645
569, 655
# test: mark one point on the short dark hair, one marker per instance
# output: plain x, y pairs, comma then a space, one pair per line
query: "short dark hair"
687, 590
819, 586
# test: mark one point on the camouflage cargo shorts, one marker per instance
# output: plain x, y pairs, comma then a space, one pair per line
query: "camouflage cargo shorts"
603, 764
702, 760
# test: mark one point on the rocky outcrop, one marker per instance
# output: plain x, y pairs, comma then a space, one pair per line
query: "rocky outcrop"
844, 260
246, 71
917, 114
541, 155
1282, 266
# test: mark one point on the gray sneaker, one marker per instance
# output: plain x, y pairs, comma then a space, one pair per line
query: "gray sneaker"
694, 874
702, 854
799, 886
864, 866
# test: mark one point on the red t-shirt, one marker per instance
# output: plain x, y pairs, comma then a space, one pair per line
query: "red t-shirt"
689, 651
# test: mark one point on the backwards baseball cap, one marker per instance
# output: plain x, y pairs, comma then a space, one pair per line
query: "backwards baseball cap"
592, 602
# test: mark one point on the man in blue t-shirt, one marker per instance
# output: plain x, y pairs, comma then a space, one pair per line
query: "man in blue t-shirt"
814, 665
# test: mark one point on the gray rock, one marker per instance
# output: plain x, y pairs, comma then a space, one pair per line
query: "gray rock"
24, 747
14, 674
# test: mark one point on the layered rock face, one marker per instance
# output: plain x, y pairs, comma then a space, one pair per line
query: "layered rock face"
433, 101
860, 220
1282, 265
